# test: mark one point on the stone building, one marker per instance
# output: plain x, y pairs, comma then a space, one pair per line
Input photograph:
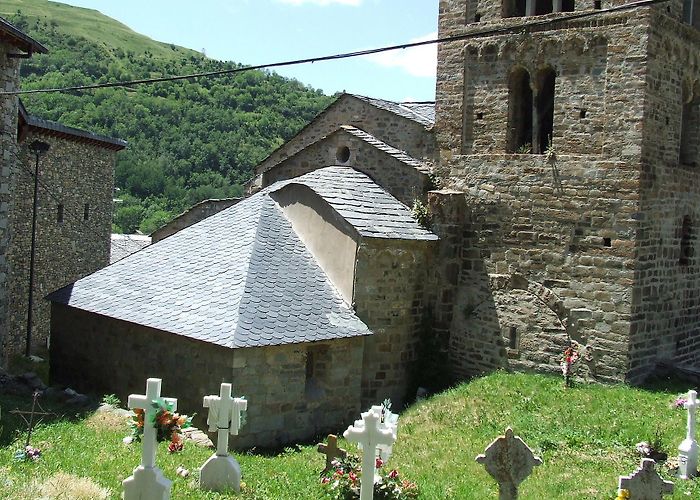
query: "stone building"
306, 295
74, 204
194, 214
568, 140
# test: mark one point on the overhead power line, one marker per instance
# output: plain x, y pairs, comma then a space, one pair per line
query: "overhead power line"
518, 28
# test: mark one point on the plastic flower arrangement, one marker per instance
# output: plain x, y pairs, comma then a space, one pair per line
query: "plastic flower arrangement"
342, 481
571, 356
168, 424
679, 402
28, 453
623, 494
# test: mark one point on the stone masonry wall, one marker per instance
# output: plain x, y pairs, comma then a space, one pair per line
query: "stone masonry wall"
290, 399
404, 182
546, 246
389, 291
9, 81
666, 302
402, 133
72, 174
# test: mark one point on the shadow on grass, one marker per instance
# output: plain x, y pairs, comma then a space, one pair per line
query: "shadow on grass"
13, 426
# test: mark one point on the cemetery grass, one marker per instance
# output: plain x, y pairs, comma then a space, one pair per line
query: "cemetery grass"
585, 435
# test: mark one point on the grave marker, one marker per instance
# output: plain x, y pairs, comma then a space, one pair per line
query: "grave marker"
331, 451
509, 461
370, 433
147, 481
221, 471
688, 449
645, 483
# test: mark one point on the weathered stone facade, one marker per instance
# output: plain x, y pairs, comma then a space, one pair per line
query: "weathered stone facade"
405, 178
74, 216
401, 132
9, 81
295, 391
583, 241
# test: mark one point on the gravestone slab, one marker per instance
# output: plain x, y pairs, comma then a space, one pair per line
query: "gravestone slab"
509, 461
147, 481
688, 449
645, 483
221, 471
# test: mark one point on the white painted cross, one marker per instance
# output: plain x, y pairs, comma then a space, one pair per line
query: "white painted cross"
370, 433
148, 481
221, 470
645, 483
224, 416
688, 449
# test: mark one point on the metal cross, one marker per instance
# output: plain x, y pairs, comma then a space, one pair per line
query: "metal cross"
31, 423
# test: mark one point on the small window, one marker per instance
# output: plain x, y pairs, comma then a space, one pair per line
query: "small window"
545, 110
690, 129
513, 338
597, 5
582, 113
686, 244
59, 213
513, 8
86, 212
342, 154
607, 242
480, 116
477, 18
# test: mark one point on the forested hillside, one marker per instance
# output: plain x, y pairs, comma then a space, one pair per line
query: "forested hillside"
188, 140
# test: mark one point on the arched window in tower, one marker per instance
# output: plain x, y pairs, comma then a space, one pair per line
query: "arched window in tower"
544, 108
513, 8
543, 7
519, 112
568, 6
690, 127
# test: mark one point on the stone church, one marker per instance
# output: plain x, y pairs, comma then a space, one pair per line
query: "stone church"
74, 204
558, 166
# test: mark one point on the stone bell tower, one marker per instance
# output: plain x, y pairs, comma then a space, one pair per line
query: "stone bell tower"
569, 137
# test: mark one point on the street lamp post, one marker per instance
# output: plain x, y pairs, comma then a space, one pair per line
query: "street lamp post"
39, 148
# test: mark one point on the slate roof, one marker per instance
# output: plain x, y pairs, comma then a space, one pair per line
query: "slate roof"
423, 113
61, 130
123, 245
372, 211
18, 38
386, 148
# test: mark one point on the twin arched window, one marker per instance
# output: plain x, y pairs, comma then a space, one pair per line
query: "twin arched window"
530, 114
522, 8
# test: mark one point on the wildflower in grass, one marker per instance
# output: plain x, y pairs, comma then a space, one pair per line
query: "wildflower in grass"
679, 403
571, 356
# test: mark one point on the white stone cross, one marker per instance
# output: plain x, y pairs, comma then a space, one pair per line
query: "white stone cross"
645, 483
509, 461
222, 471
688, 449
148, 481
370, 433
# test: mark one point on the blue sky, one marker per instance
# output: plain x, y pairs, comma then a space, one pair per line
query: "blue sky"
264, 31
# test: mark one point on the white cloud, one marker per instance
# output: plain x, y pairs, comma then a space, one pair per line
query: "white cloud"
416, 61
322, 3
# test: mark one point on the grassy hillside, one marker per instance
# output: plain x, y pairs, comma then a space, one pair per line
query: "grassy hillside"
91, 25
585, 436
188, 140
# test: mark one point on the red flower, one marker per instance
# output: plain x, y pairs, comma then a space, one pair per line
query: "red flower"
378, 463
325, 480
352, 477
394, 474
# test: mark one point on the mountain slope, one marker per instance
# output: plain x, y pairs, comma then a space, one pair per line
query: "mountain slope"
188, 140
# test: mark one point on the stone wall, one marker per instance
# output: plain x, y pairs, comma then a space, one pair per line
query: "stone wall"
543, 244
402, 133
79, 177
405, 182
9, 81
295, 392
666, 301
390, 276
198, 212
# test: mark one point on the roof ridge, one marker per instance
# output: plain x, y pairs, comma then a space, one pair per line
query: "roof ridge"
400, 154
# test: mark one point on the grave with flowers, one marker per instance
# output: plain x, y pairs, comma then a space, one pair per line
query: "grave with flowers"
351, 477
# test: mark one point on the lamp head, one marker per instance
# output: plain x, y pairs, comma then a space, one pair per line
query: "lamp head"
39, 147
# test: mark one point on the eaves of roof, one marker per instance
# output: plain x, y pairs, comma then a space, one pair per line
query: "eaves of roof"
19, 39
